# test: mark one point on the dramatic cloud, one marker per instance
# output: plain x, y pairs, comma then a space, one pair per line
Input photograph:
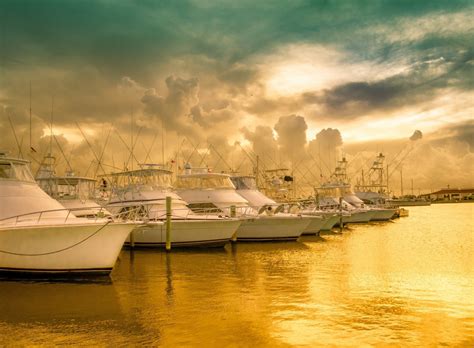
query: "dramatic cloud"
175, 109
263, 143
325, 147
372, 72
291, 132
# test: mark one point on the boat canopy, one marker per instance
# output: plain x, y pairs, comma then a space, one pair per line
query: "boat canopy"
155, 177
15, 170
204, 181
244, 182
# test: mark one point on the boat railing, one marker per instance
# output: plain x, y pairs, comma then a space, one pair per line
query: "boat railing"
64, 215
227, 211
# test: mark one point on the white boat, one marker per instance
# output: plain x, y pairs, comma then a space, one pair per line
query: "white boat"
146, 189
215, 193
73, 192
372, 191
39, 236
330, 199
246, 186
377, 203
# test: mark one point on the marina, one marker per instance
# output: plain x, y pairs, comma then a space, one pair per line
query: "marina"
236, 174
407, 283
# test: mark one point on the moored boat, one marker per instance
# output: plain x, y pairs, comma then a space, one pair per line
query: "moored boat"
215, 193
39, 236
146, 189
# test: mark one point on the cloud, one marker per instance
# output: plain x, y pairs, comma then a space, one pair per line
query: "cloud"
175, 109
291, 132
325, 147
462, 132
417, 135
261, 138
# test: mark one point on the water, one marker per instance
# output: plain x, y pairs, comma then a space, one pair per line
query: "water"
408, 282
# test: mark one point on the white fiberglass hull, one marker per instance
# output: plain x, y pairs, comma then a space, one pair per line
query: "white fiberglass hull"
315, 224
186, 233
359, 216
383, 214
89, 248
330, 223
272, 228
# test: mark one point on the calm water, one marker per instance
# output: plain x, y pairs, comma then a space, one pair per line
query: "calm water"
408, 282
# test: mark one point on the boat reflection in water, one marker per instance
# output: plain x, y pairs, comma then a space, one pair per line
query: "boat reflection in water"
408, 283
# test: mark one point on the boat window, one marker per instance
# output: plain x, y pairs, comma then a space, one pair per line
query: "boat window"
204, 208
244, 183
5, 170
15, 171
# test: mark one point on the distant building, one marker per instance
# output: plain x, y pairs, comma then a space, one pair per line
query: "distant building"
449, 194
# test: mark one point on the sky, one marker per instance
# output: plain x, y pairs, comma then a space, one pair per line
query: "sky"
300, 83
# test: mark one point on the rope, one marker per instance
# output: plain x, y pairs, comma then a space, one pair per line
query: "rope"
60, 250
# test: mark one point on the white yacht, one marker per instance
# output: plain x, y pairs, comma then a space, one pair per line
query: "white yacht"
246, 186
215, 193
329, 195
39, 236
372, 191
146, 189
73, 192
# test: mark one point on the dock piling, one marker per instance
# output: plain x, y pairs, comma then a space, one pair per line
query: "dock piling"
168, 223
341, 225
233, 215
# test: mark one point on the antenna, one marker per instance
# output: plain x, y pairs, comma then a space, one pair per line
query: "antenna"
31, 148
162, 143
20, 153
131, 135
51, 127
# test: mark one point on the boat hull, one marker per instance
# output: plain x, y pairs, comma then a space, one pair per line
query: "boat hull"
382, 214
359, 217
315, 224
186, 233
89, 248
332, 221
272, 228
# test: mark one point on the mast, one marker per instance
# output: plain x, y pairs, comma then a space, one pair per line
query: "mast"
401, 182
162, 143
257, 171
31, 147
51, 127
131, 136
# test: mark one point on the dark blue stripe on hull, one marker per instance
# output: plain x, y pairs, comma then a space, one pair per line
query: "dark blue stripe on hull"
217, 243
267, 239
37, 272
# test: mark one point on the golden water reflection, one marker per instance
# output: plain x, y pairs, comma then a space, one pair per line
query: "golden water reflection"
410, 282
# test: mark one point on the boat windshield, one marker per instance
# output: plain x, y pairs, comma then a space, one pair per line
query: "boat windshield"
244, 182
153, 178
204, 182
15, 171
68, 188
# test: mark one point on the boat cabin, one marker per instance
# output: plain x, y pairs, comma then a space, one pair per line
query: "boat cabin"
204, 181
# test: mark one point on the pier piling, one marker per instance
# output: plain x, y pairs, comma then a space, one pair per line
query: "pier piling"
341, 225
168, 223
233, 215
